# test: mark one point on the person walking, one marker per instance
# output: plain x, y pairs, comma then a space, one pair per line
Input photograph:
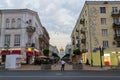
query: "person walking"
62, 65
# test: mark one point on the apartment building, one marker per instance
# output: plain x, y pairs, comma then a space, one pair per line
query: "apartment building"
21, 30
98, 26
44, 39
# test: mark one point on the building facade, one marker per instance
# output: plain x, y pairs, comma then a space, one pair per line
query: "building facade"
53, 49
69, 50
44, 39
20, 32
98, 26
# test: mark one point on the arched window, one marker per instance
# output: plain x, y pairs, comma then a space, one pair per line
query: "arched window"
7, 23
13, 23
18, 22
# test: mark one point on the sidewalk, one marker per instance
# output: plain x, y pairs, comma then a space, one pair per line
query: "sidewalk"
88, 67
58, 67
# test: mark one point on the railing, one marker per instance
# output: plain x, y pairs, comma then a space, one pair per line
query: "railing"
83, 40
117, 37
115, 13
30, 29
116, 25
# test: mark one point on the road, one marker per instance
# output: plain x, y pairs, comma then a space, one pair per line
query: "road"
60, 75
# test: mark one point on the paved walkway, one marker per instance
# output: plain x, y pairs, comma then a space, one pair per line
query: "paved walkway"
58, 67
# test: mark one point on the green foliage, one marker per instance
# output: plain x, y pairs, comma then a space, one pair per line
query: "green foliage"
45, 62
77, 52
46, 52
55, 55
66, 55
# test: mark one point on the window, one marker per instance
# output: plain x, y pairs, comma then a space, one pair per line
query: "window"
18, 22
118, 43
102, 10
13, 23
17, 40
7, 40
103, 20
114, 9
7, 23
105, 44
104, 32
118, 32
116, 20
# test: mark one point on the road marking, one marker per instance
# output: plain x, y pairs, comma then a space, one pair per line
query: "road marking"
64, 76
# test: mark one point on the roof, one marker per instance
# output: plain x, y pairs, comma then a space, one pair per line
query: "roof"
16, 10
102, 2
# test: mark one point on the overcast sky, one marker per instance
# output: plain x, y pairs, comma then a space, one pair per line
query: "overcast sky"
57, 16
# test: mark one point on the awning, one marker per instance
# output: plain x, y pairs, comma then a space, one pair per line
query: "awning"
5, 52
29, 53
42, 57
16, 52
39, 53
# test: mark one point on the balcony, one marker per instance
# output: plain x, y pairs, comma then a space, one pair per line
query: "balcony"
82, 31
78, 45
83, 40
30, 29
116, 25
117, 37
73, 43
115, 14
77, 37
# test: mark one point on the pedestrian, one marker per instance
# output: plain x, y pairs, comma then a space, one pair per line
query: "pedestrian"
62, 65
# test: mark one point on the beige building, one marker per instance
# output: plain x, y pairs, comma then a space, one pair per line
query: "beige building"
21, 31
98, 25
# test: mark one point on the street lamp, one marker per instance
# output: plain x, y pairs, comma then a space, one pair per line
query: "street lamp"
101, 54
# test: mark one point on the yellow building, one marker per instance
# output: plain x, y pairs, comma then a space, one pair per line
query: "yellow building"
98, 26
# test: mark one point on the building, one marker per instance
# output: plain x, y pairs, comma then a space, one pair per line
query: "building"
53, 49
98, 27
21, 30
61, 53
69, 50
0, 32
44, 39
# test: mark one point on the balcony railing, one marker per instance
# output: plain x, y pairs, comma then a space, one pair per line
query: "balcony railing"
82, 31
78, 45
115, 14
83, 40
30, 29
117, 37
116, 25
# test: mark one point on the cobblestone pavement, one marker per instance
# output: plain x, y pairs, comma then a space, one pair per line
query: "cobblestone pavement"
58, 67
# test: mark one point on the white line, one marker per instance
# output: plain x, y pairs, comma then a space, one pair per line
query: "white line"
65, 76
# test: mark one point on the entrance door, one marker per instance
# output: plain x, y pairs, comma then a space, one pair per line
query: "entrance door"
3, 58
28, 60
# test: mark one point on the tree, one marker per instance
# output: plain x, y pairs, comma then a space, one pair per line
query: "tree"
77, 52
66, 55
54, 55
46, 52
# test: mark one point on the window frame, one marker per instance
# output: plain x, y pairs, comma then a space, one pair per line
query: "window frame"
17, 38
102, 9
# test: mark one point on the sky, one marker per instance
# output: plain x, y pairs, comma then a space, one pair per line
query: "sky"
57, 16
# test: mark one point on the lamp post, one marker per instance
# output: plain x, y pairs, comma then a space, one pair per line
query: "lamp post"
101, 54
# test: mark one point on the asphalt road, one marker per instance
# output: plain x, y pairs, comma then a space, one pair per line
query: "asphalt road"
60, 75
